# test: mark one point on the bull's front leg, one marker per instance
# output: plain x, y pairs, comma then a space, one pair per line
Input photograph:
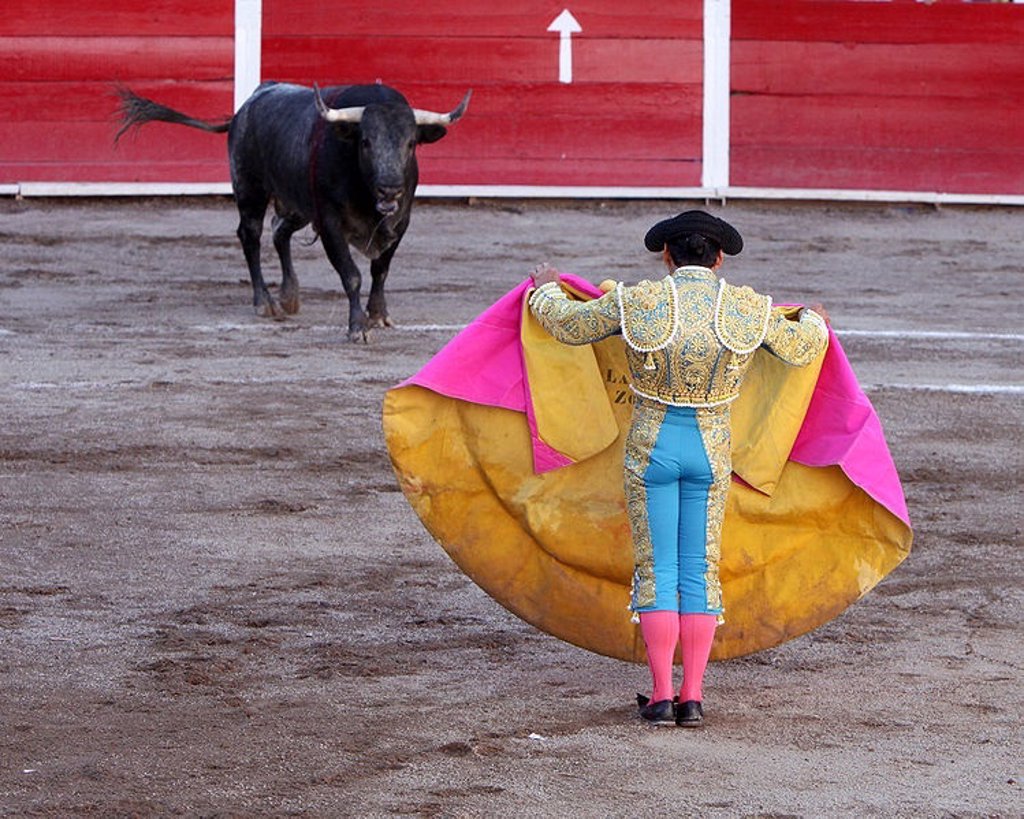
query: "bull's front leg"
341, 259
377, 305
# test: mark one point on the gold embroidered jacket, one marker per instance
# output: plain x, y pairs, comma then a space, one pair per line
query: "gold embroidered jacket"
690, 337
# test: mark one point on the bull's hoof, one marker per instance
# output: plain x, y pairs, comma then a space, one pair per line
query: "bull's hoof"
290, 306
359, 336
269, 309
379, 321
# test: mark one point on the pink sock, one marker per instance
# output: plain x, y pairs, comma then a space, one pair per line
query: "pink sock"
661, 632
696, 632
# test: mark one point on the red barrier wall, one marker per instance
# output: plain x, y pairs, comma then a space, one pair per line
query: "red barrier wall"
59, 61
878, 96
826, 94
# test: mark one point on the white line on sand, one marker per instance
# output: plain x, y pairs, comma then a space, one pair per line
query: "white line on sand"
39, 386
930, 335
962, 389
937, 335
270, 327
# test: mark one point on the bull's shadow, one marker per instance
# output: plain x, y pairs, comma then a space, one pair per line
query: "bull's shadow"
343, 161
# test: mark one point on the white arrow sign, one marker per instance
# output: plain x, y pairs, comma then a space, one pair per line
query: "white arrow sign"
565, 24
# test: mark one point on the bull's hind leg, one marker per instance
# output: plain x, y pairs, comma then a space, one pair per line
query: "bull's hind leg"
250, 228
283, 226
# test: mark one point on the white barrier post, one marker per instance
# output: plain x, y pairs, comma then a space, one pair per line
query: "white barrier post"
717, 34
248, 55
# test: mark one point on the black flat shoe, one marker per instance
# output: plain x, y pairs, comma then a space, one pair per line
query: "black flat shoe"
690, 714
641, 701
661, 712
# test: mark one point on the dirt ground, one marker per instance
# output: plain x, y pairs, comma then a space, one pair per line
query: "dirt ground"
215, 601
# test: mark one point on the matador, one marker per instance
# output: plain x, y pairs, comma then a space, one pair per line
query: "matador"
690, 338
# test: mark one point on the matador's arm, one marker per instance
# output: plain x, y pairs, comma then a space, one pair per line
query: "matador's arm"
575, 322
796, 342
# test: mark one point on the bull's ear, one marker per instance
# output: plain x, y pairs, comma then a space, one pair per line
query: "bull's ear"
429, 133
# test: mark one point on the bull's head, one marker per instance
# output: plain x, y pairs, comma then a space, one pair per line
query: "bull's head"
388, 134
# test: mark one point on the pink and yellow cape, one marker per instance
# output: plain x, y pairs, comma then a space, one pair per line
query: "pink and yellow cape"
508, 445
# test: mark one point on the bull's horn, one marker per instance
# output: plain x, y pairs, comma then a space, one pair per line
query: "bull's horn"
434, 118
354, 114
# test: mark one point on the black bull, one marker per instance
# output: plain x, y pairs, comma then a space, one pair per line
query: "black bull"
349, 169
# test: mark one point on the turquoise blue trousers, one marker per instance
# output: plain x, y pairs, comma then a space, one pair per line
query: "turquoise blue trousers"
676, 480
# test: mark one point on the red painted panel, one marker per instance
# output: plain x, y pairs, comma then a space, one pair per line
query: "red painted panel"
870, 123
192, 170
528, 123
93, 142
897, 96
846, 21
59, 63
56, 102
471, 18
922, 70
476, 60
554, 171
517, 142
35, 59
95, 18
989, 171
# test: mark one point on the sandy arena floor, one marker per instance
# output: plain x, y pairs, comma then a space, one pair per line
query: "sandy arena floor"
214, 600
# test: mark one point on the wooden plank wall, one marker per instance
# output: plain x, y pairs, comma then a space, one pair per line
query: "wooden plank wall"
59, 61
878, 95
631, 116
827, 94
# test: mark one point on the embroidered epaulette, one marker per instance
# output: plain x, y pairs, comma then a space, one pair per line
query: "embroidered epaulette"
741, 318
649, 313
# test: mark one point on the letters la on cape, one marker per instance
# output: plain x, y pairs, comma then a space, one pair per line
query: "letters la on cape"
508, 445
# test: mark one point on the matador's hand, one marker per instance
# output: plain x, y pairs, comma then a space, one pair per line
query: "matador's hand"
544, 273
821, 311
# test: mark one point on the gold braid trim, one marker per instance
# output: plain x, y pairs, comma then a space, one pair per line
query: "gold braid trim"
714, 425
643, 434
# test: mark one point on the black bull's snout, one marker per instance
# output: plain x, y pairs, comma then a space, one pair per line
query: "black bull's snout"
389, 198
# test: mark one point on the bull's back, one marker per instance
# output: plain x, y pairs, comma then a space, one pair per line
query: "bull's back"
269, 145
275, 111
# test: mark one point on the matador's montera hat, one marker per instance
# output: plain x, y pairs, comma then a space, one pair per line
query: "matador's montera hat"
694, 221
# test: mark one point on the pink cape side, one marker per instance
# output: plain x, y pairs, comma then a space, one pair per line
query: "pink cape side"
841, 427
484, 364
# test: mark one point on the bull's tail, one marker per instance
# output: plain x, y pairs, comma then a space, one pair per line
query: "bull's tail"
136, 111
